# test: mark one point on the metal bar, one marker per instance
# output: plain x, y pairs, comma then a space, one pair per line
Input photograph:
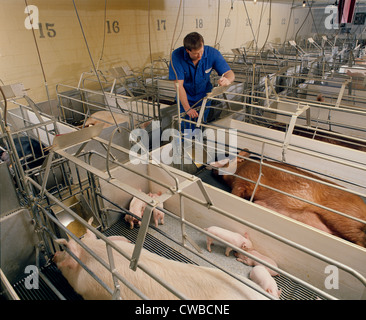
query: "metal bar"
117, 290
341, 92
297, 149
141, 235
47, 172
51, 286
260, 174
73, 138
202, 111
9, 289
273, 89
34, 108
290, 130
347, 109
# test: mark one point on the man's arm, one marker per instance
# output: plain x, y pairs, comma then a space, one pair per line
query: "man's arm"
227, 78
184, 100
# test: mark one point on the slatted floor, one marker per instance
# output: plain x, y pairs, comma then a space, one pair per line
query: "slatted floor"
151, 243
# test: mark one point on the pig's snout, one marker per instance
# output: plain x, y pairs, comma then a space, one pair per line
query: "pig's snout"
247, 245
5, 156
57, 257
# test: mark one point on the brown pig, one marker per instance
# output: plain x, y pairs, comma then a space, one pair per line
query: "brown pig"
303, 188
195, 282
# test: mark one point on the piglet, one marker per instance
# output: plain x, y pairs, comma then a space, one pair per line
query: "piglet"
234, 238
250, 262
157, 214
260, 275
137, 207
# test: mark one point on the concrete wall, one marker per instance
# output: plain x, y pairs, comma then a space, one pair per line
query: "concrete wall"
137, 32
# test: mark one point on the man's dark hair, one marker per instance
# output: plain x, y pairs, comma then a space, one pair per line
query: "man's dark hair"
193, 41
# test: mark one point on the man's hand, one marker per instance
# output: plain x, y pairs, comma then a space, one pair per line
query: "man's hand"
192, 113
227, 78
223, 81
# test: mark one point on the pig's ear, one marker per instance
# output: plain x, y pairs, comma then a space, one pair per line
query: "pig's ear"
238, 191
90, 234
243, 153
246, 235
69, 262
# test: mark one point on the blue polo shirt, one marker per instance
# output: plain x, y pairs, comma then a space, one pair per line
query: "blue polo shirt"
197, 78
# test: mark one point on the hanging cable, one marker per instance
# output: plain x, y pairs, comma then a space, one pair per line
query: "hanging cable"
225, 25
260, 23
269, 26
289, 19
171, 47
104, 33
5, 106
91, 59
181, 29
302, 23
311, 11
250, 24
40, 60
148, 26
218, 21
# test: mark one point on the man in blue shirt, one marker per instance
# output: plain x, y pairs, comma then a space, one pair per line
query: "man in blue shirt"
190, 67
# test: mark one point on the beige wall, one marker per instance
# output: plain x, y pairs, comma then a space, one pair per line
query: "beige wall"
65, 57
